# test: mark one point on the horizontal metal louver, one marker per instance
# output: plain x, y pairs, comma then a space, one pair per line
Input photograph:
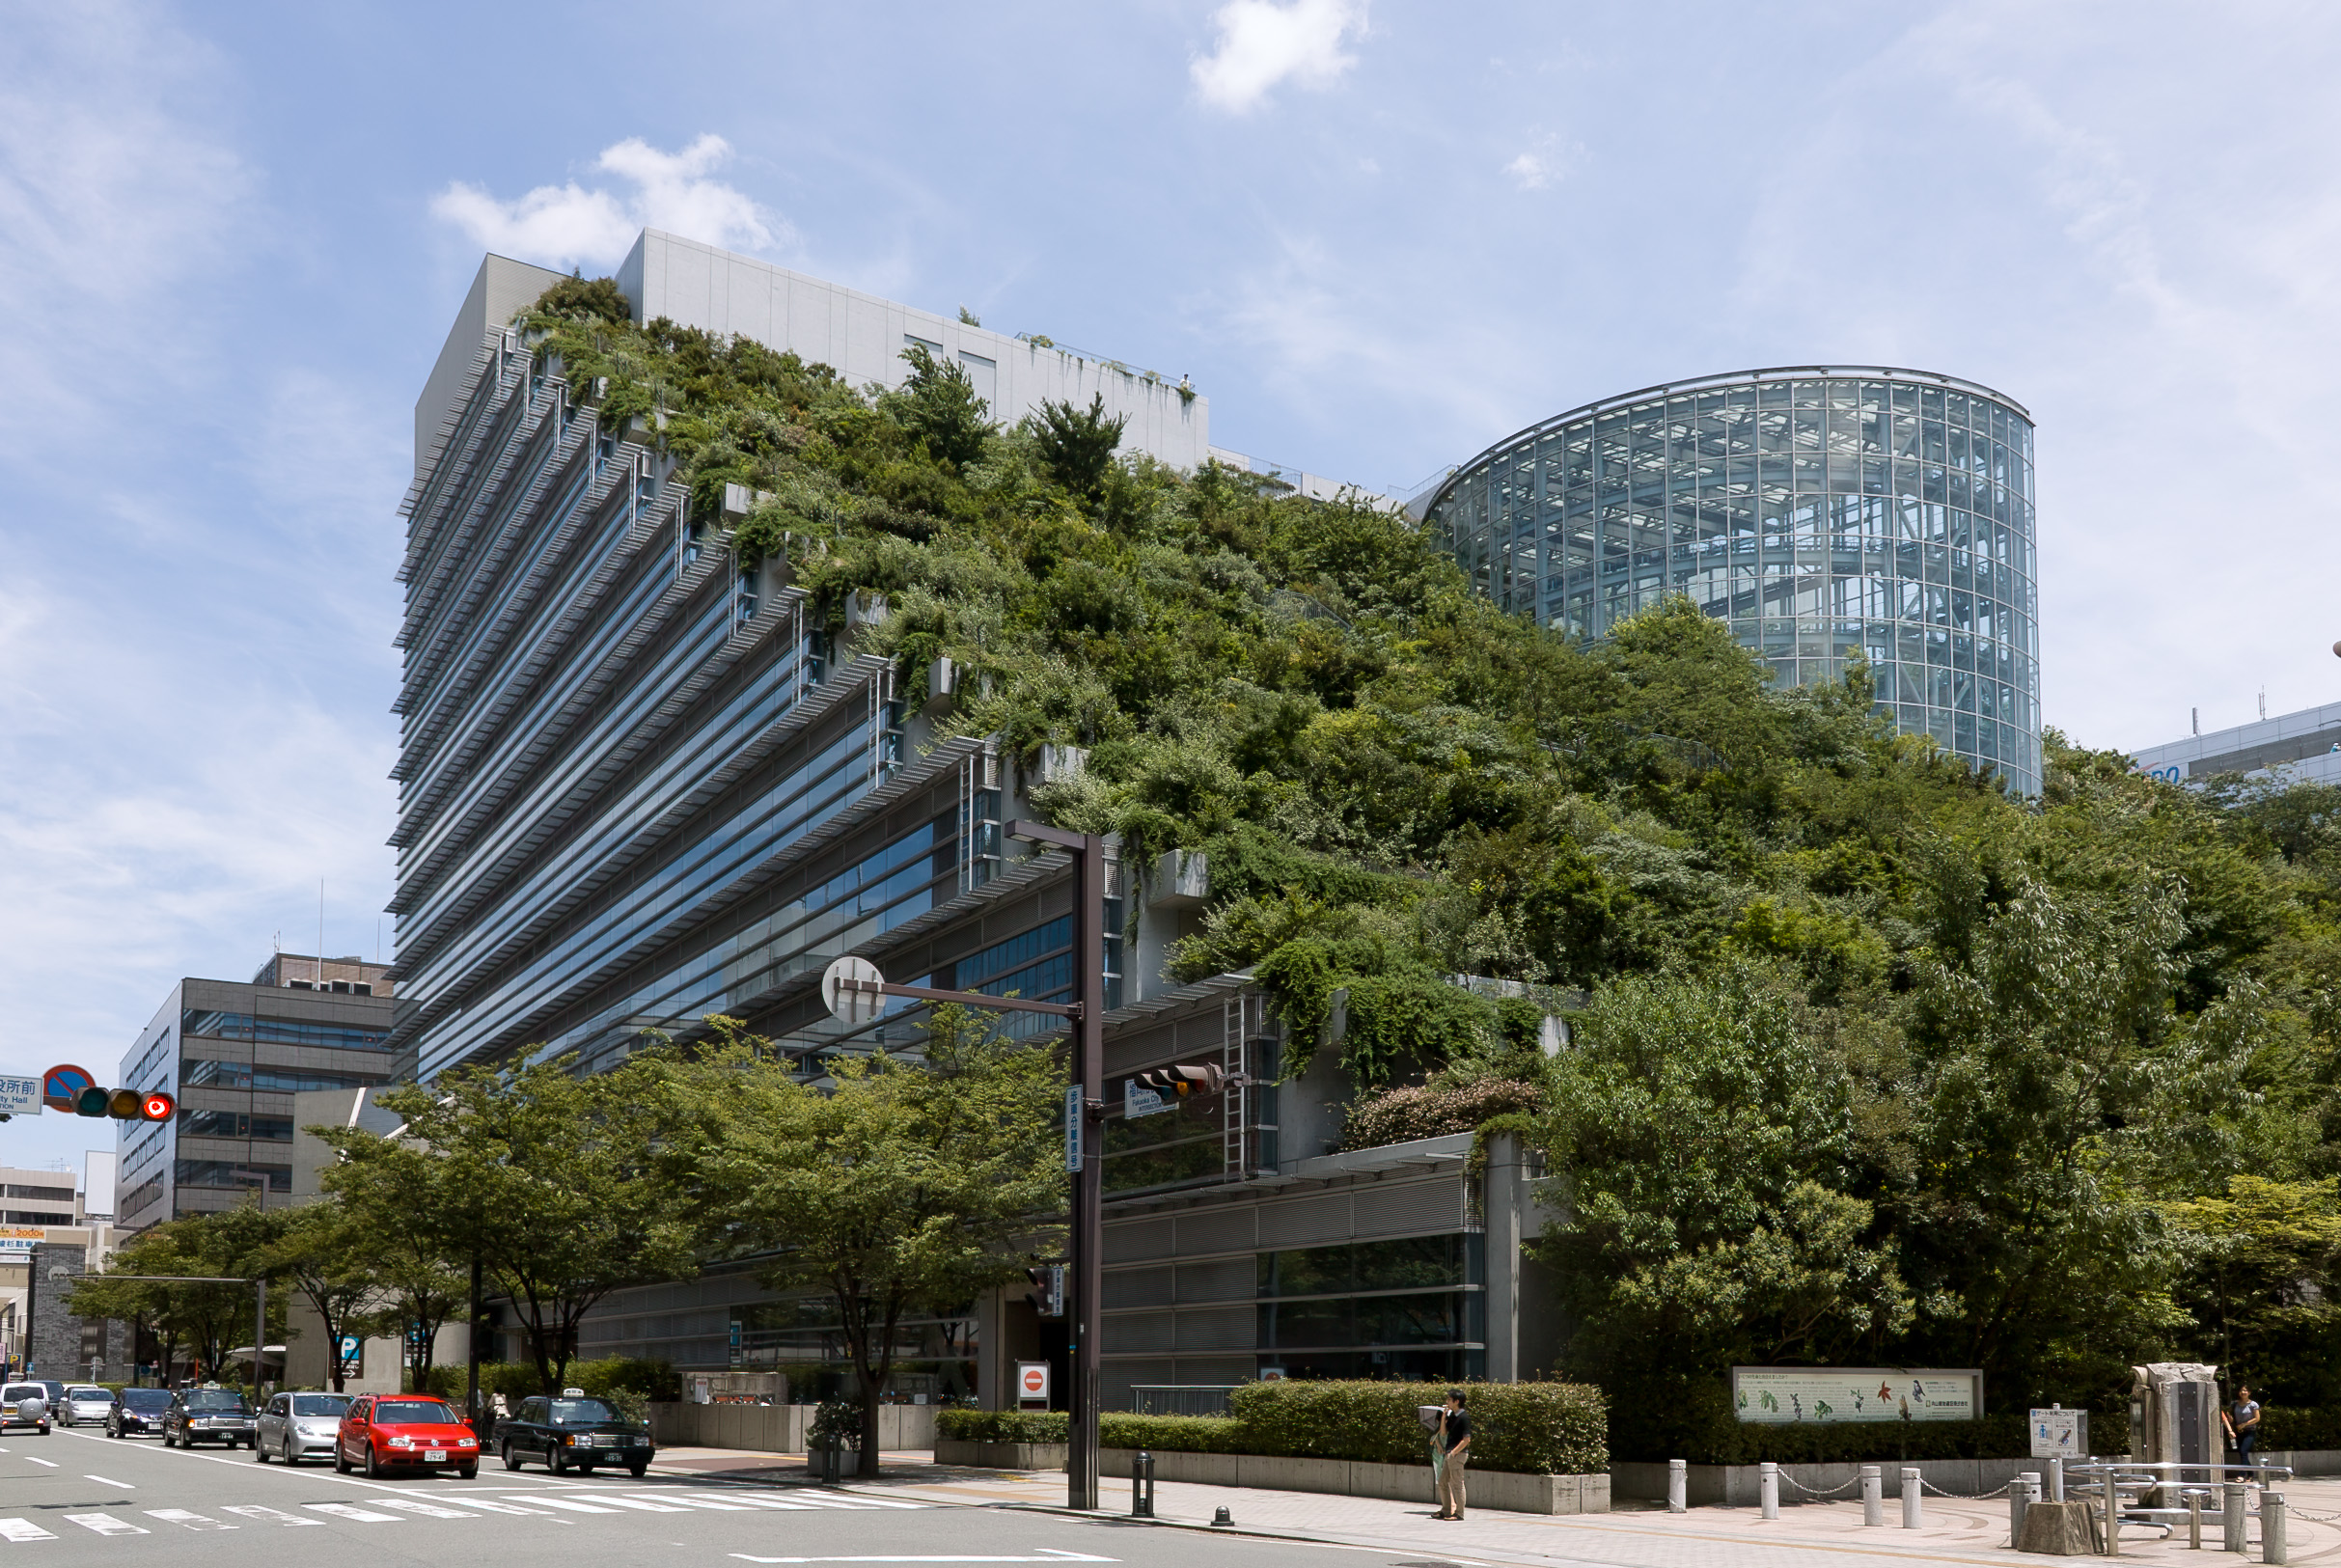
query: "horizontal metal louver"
1138, 1287
1308, 1222
1221, 1231
1233, 1327
1415, 1209
1146, 1238
1139, 1333
1225, 1279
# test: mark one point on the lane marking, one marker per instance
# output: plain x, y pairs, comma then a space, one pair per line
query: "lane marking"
253, 1510
50, 1463
22, 1529
416, 1505
495, 1507
106, 1523
108, 1480
347, 1510
640, 1503
193, 1522
1046, 1555
692, 1500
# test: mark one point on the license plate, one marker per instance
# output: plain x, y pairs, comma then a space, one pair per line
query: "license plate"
434, 1454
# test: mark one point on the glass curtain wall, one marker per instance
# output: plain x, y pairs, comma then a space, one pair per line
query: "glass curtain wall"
1824, 513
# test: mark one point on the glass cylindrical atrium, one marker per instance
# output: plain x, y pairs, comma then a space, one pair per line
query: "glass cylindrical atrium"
1824, 511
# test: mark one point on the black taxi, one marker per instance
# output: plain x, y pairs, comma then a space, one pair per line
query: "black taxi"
573, 1433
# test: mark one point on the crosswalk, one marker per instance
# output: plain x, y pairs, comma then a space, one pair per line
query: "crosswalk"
388, 1510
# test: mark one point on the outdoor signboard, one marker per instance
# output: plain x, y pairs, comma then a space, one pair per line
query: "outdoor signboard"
1031, 1382
18, 1241
1788, 1394
19, 1096
1137, 1100
2059, 1433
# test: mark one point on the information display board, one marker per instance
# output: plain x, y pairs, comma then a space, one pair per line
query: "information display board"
1788, 1394
2059, 1433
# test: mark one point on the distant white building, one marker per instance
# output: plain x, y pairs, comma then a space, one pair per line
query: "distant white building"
2303, 747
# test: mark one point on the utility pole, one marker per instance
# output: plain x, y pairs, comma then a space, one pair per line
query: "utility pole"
854, 992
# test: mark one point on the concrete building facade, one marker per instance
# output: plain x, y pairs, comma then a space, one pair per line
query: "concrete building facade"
2291, 748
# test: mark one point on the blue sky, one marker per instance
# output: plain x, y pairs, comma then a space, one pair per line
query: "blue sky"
1379, 237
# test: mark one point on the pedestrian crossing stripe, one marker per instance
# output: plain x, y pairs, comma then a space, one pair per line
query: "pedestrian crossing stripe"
416, 1505
22, 1529
344, 1510
272, 1516
106, 1523
638, 1504
192, 1521
566, 1504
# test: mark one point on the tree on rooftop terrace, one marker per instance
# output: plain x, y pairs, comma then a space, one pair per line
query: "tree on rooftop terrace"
1397, 781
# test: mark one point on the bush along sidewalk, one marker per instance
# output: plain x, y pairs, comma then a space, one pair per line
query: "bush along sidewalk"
1531, 1428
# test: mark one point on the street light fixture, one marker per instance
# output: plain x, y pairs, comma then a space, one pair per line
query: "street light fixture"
853, 991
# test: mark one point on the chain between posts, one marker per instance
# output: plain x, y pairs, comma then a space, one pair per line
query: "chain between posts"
1811, 1492
1938, 1490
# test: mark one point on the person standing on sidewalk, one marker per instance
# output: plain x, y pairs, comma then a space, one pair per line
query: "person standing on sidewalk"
1455, 1444
2243, 1423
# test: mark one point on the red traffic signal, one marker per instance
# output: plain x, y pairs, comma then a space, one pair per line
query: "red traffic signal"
1182, 1080
124, 1104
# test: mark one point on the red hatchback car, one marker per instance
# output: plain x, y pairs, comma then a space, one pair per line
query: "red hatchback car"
386, 1432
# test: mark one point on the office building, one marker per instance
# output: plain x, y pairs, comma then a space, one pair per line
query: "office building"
1824, 512
51, 1230
639, 786
2288, 749
233, 1055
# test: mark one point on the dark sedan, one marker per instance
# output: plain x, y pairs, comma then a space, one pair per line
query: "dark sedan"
573, 1433
207, 1415
137, 1410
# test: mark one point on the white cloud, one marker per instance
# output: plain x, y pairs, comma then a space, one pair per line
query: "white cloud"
1262, 44
569, 223
1530, 172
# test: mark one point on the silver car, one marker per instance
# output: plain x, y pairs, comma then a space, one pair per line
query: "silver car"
295, 1426
84, 1402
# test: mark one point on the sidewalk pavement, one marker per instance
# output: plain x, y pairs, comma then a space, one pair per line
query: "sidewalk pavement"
1827, 1535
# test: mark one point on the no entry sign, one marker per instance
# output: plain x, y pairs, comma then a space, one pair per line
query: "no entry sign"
1031, 1381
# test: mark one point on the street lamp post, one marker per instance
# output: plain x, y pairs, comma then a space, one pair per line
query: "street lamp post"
853, 989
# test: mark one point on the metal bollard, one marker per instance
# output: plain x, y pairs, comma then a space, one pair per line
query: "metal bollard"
1873, 1496
2023, 1493
2056, 1479
1141, 1485
2194, 1519
1912, 1486
2113, 1515
2231, 1515
1768, 1489
1678, 1486
2271, 1527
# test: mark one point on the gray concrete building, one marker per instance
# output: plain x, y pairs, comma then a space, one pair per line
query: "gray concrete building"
2291, 748
233, 1055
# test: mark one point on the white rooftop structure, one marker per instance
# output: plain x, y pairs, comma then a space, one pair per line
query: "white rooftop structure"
2304, 746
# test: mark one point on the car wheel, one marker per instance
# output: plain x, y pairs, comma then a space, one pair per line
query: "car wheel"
512, 1460
291, 1459
469, 1473
260, 1454
374, 1463
559, 1464
639, 1468
341, 1459
168, 1441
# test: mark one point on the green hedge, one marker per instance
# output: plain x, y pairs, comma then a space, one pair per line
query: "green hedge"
1535, 1428
605, 1379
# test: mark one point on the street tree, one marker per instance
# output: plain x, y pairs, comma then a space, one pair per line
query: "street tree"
542, 1174
319, 1252
898, 1190
402, 1210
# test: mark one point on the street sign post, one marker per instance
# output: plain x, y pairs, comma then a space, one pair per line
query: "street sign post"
855, 992
1033, 1383
19, 1096
1137, 1100
61, 1086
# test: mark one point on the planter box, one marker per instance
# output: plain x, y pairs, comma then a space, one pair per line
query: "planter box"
777, 1429
1502, 1490
1000, 1455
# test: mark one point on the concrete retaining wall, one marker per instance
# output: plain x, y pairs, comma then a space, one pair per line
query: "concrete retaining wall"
1341, 1477
777, 1428
1735, 1486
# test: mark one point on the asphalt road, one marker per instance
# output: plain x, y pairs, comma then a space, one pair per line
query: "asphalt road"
76, 1498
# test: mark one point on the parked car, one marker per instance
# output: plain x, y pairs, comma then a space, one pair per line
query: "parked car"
84, 1402
386, 1432
138, 1409
24, 1404
207, 1415
573, 1433
56, 1393
295, 1426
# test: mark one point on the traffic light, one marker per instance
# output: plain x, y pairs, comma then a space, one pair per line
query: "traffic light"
124, 1104
1182, 1080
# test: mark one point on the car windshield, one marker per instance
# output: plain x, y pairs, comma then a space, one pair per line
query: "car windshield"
568, 1410
223, 1401
89, 1393
145, 1399
414, 1413
320, 1404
